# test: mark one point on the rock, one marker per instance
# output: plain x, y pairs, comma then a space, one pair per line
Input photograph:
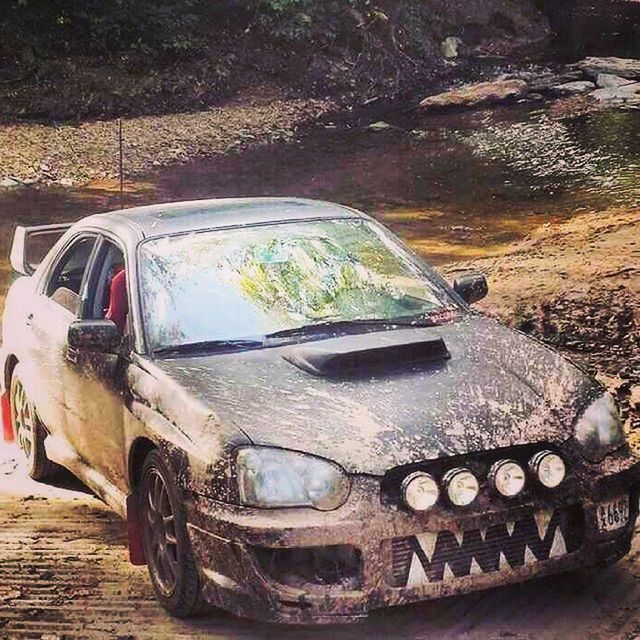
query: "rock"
379, 126
418, 134
65, 182
548, 81
449, 47
606, 81
624, 67
569, 88
624, 96
473, 95
634, 398
9, 183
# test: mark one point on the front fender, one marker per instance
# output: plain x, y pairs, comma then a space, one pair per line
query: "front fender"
194, 442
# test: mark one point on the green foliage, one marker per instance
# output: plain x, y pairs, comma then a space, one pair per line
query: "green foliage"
104, 27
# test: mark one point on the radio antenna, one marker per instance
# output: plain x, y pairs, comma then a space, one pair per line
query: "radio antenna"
121, 163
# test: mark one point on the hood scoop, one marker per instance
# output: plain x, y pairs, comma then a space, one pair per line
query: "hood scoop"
379, 351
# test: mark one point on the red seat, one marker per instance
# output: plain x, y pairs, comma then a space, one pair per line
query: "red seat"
118, 300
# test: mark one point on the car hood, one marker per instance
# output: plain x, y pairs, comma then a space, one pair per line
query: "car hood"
496, 388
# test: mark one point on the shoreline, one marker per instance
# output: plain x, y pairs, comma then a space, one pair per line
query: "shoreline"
575, 285
75, 155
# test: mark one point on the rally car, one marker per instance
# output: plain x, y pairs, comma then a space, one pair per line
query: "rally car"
299, 418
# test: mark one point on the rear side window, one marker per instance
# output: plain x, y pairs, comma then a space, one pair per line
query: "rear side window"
67, 276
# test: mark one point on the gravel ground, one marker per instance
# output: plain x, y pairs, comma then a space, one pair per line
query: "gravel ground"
78, 154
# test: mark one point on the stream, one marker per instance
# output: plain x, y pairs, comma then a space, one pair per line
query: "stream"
455, 186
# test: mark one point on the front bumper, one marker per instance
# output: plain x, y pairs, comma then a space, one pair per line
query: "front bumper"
226, 540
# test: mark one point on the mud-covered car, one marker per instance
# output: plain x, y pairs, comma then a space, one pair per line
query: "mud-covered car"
299, 419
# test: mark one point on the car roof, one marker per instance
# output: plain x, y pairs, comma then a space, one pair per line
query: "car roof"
181, 217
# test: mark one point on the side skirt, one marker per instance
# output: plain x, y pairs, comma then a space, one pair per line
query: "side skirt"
59, 450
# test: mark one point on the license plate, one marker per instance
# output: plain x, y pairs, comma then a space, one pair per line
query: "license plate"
613, 514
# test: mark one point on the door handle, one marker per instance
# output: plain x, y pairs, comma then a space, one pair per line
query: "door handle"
29, 320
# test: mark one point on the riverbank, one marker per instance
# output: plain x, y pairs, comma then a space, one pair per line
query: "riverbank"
576, 286
76, 155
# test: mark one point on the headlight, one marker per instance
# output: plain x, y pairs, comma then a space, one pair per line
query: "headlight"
599, 429
420, 491
462, 486
549, 468
508, 478
277, 478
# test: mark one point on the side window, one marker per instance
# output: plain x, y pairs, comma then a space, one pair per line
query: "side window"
109, 298
67, 276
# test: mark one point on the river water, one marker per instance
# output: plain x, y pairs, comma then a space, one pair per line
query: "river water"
455, 186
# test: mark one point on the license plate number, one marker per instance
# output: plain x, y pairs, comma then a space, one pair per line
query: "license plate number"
613, 514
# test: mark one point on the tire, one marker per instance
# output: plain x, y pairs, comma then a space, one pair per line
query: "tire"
167, 548
28, 430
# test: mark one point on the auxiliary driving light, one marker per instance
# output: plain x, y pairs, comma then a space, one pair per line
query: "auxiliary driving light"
549, 468
461, 486
507, 477
420, 491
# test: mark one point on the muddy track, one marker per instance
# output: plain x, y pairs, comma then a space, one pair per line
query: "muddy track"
64, 574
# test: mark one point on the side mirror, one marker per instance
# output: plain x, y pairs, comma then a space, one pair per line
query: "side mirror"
471, 287
98, 336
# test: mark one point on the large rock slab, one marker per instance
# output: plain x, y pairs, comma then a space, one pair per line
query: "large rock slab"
606, 81
541, 83
473, 95
623, 67
570, 88
625, 96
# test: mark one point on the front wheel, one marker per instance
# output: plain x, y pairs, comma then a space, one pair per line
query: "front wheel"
29, 432
166, 542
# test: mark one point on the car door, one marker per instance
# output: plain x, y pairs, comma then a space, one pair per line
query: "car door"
56, 305
94, 384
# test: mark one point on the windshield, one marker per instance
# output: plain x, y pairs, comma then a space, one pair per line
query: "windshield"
235, 284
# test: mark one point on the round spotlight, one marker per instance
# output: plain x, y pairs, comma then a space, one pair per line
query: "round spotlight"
549, 468
507, 477
461, 485
420, 491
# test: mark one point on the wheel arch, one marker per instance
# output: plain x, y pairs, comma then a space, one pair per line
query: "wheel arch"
9, 367
140, 449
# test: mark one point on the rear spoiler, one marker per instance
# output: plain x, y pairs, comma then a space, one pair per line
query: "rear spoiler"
31, 245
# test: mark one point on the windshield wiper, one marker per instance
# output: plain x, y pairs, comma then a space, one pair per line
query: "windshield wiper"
208, 346
323, 327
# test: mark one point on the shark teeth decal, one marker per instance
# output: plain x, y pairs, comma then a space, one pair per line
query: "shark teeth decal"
503, 564
448, 573
446, 555
475, 569
558, 546
543, 518
417, 576
529, 557
427, 542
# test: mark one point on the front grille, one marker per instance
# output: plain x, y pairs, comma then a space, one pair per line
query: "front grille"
445, 555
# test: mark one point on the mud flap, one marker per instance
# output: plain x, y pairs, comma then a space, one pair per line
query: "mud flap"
134, 532
7, 427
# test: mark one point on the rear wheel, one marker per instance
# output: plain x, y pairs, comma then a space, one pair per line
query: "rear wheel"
29, 432
166, 542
